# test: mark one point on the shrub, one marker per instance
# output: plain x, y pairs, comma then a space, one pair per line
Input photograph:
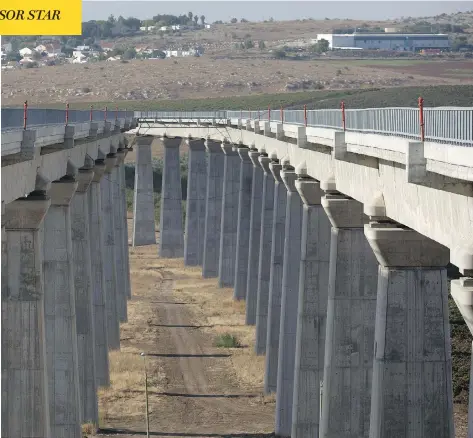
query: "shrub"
227, 341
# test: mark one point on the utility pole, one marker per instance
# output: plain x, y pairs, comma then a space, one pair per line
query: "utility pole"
146, 393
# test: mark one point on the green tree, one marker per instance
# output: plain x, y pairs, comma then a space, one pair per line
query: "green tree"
190, 15
13, 56
233, 20
129, 53
202, 19
261, 45
249, 44
196, 19
279, 54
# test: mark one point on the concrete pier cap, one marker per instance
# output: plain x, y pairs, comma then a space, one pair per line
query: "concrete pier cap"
213, 145
462, 257
63, 190
308, 187
395, 245
110, 162
228, 148
289, 178
244, 153
264, 161
84, 178
254, 155
195, 144
171, 142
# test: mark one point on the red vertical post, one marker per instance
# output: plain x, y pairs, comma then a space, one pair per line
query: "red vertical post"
91, 115
420, 101
282, 115
343, 115
305, 115
25, 113
67, 113
105, 114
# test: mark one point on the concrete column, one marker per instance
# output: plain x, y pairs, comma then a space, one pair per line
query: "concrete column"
289, 300
312, 309
171, 234
350, 321
143, 203
275, 283
84, 297
462, 293
60, 313
243, 227
229, 221
119, 225
255, 231
125, 225
97, 258
195, 211
25, 402
110, 262
412, 368
264, 265
213, 208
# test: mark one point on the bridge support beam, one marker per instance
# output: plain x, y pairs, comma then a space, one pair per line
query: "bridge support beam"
110, 263
124, 213
60, 313
97, 258
229, 224
243, 227
118, 236
213, 208
84, 298
255, 231
412, 368
289, 303
143, 203
264, 266
275, 282
462, 293
195, 211
25, 402
312, 310
171, 235
351, 312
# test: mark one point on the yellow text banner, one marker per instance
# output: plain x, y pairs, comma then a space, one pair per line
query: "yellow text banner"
40, 17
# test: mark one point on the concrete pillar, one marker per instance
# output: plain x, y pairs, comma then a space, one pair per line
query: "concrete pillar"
264, 265
351, 312
412, 367
195, 211
110, 262
255, 231
119, 226
97, 258
243, 227
60, 313
289, 300
275, 283
124, 213
143, 203
84, 297
462, 293
312, 310
25, 402
229, 224
171, 234
213, 208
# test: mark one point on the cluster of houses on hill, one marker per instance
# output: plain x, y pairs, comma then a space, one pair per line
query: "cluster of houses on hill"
174, 27
51, 54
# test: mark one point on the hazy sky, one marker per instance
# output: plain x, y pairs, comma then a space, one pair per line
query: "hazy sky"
279, 10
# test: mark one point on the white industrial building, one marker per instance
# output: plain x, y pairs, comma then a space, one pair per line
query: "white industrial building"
386, 41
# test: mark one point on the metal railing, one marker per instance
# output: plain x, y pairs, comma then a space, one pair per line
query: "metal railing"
17, 118
452, 125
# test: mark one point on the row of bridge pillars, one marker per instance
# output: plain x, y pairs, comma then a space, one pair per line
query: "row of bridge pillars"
350, 310
65, 285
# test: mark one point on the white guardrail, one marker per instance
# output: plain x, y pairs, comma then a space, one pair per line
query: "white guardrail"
451, 125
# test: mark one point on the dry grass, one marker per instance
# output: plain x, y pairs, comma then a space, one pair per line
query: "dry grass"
190, 78
216, 308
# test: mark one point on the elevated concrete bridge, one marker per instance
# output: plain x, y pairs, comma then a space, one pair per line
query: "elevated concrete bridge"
336, 228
